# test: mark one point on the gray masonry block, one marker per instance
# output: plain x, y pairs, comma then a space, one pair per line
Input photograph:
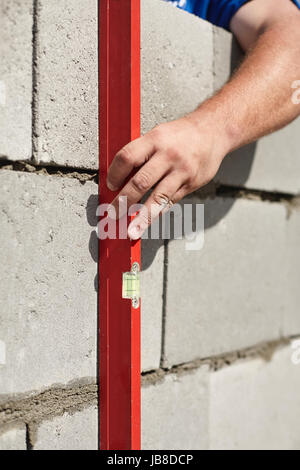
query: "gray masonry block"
78, 431
255, 405
250, 405
292, 317
271, 164
13, 438
15, 79
235, 292
227, 56
151, 298
177, 62
175, 412
174, 81
67, 88
48, 317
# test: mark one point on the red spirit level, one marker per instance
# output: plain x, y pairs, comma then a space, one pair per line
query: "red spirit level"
119, 321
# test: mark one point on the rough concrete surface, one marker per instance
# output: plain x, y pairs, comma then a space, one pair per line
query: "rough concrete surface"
13, 438
235, 291
177, 60
15, 78
152, 302
272, 163
175, 412
249, 405
227, 56
67, 83
78, 431
49, 304
292, 316
255, 405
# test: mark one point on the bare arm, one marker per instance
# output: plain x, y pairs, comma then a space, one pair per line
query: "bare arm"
184, 155
259, 97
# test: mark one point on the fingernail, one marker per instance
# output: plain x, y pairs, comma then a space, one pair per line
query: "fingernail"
110, 186
134, 232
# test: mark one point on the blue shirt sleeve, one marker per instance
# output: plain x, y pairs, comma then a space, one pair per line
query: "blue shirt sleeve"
218, 12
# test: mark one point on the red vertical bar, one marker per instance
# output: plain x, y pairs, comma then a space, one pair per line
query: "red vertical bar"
119, 322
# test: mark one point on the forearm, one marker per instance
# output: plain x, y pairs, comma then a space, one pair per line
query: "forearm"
258, 99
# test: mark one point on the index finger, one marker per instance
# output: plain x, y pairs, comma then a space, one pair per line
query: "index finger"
133, 155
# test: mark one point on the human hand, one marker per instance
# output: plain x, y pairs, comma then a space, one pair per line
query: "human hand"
178, 157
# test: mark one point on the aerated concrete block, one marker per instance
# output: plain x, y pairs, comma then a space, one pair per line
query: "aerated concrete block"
292, 315
272, 163
255, 405
67, 88
234, 292
48, 317
227, 56
16, 20
176, 75
13, 438
177, 62
78, 431
152, 302
175, 412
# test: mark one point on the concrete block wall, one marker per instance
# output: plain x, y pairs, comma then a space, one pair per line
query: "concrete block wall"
217, 324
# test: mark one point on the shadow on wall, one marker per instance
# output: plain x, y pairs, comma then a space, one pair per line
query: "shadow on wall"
92, 219
236, 167
234, 171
